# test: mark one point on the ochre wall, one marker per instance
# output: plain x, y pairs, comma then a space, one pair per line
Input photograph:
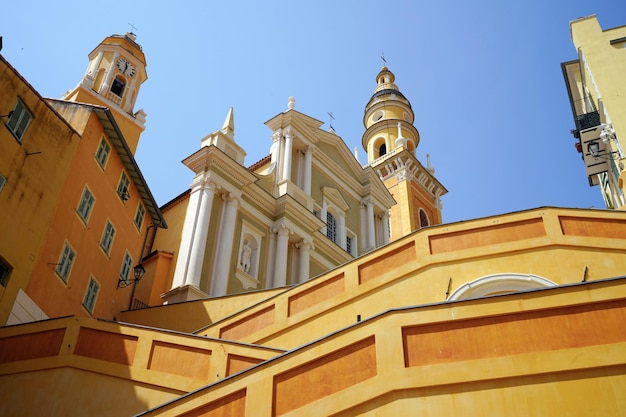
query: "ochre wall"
518, 354
35, 170
376, 337
197, 314
45, 363
428, 266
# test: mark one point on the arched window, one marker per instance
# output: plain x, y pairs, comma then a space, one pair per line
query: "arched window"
331, 226
117, 87
382, 150
379, 147
423, 218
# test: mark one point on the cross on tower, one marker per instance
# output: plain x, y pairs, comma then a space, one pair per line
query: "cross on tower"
331, 119
382, 56
133, 28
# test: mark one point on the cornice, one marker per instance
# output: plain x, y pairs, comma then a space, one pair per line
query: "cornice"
409, 167
210, 157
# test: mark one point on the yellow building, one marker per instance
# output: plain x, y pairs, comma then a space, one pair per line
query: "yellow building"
517, 314
597, 94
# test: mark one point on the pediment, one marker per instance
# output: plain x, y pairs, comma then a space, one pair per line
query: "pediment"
335, 197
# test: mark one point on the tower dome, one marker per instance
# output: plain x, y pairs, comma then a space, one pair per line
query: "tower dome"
388, 119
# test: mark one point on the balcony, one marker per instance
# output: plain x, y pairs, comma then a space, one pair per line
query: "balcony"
587, 120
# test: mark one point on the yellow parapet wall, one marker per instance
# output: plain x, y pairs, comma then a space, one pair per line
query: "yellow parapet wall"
556, 351
157, 364
534, 248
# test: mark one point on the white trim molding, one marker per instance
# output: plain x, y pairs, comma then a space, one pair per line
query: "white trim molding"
499, 283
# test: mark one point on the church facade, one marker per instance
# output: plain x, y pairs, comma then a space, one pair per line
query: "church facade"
307, 207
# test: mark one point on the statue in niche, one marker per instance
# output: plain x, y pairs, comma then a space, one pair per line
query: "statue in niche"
246, 254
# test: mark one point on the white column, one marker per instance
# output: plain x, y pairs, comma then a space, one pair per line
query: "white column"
275, 148
371, 236
224, 252
271, 251
287, 154
385, 220
363, 225
280, 265
107, 81
304, 248
128, 94
323, 217
341, 230
307, 170
92, 71
194, 235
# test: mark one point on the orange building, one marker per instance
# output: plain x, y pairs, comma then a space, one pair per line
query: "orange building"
93, 209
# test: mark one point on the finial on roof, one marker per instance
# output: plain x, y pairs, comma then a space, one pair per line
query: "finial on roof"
229, 124
400, 141
291, 103
429, 167
132, 35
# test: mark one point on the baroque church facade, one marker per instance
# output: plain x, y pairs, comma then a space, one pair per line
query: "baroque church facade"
307, 207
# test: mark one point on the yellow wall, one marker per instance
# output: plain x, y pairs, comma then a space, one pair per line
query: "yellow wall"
127, 369
33, 182
198, 313
377, 333
604, 65
429, 265
168, 240
479, 357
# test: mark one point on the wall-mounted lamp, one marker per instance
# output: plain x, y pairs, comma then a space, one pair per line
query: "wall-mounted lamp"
8, 115
593, 148
138, 270
125, 196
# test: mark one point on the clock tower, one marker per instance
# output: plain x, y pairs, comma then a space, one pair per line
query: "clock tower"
391, 140
117, 68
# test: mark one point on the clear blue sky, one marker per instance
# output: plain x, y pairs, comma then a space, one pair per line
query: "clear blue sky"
483, 77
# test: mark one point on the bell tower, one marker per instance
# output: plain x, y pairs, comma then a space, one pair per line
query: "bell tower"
117, 68
390, 140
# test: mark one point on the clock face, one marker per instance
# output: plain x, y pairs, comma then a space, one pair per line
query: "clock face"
125, 67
